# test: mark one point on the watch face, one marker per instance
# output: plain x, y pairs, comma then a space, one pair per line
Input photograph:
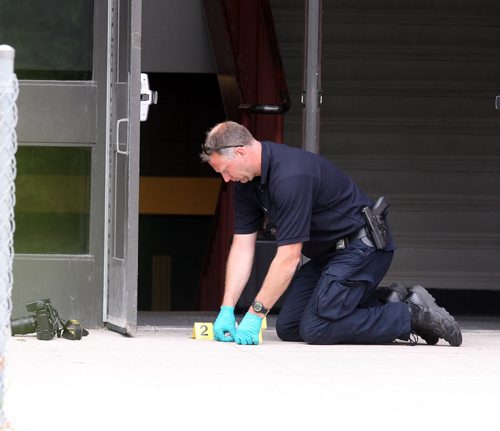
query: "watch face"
257, 306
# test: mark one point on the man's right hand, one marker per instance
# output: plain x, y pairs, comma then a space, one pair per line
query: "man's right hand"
225, 324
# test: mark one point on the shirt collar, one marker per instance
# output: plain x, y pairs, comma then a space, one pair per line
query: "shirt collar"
265, 162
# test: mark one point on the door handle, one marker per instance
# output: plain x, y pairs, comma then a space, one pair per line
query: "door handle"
148, 96
118, 143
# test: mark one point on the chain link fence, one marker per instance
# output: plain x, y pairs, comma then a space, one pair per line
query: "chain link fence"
8, 145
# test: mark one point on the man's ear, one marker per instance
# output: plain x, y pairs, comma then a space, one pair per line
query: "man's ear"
241, 151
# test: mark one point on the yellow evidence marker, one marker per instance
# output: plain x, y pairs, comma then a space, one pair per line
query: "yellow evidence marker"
203, 331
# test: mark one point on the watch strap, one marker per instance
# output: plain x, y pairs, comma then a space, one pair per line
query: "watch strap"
257, 307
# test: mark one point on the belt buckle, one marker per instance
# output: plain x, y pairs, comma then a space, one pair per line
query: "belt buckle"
341, 244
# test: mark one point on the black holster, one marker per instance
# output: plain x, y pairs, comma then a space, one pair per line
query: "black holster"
376, 223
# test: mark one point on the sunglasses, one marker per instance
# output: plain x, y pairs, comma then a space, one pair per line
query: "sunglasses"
208, 151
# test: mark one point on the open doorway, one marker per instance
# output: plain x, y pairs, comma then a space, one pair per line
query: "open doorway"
178, 193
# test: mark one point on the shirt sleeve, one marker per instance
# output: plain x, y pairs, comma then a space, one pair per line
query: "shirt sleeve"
248, 214
293, 200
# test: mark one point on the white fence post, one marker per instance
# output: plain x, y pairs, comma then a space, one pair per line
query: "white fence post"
8, 146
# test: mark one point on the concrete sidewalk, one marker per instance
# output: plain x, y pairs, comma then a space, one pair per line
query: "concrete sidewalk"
163, 380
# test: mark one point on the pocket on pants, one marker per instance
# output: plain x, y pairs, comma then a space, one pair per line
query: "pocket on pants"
337, 299
344, 281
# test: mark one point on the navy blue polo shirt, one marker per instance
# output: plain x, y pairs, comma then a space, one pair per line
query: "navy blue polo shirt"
307, 198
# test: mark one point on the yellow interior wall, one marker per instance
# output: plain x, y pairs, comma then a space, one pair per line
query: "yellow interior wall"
178, 195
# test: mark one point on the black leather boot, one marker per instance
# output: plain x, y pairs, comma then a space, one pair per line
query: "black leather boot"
430, 320
398, 293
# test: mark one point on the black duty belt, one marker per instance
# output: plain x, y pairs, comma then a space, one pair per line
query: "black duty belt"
362, 234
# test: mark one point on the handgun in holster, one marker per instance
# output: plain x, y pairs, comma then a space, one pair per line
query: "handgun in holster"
376, 223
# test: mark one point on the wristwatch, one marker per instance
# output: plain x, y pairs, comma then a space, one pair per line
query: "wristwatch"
259, 308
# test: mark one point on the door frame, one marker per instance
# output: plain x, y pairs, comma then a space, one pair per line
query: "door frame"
122, 155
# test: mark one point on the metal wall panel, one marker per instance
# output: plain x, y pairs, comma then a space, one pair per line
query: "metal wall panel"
408, 110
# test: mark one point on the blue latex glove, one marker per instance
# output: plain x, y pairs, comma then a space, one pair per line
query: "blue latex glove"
225, 324
248, 330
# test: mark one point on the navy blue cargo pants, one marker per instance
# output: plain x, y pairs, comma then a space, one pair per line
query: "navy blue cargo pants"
336, 302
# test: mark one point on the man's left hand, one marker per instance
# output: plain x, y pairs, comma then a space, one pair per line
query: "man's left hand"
248, 330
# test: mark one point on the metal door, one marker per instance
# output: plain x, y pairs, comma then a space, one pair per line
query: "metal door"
120, 297
78, 133
61, 62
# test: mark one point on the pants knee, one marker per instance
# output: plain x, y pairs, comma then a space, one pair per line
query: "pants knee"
287, 332
320, 331
310, 333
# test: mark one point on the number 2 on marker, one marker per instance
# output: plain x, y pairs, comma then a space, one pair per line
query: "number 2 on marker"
203, 331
